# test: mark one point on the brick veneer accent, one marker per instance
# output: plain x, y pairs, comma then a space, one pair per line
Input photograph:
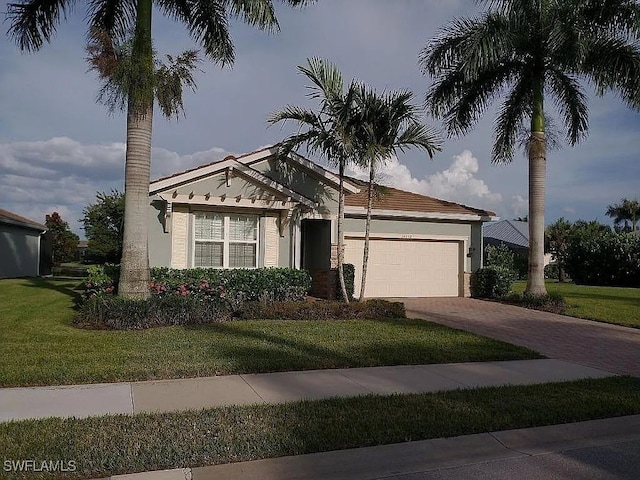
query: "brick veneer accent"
323, 284
466, 285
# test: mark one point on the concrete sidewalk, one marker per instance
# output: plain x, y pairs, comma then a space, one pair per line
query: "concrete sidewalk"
174, 395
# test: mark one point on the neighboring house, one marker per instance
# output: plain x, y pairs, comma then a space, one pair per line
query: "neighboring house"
513, 233
20, 247
257, 211
81, 250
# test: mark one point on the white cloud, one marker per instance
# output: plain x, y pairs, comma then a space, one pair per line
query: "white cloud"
64, 175
458, 183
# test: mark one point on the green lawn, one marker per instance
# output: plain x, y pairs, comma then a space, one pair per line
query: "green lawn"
103, 446
40, 346
604, 304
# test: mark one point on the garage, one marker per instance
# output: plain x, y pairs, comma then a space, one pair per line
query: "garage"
405, 267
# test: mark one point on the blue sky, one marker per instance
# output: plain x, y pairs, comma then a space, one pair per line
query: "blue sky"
58, 147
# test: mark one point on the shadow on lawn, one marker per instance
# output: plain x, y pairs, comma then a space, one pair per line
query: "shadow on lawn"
266, 346
66, 286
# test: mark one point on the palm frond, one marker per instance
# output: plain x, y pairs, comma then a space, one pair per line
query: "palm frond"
515, 109
33, 22
116, 18
613, 64
297, 114
326, 79
208, 25
258, 13
571, 102
170, 80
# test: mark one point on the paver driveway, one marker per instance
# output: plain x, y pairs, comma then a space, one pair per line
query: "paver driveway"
608, 347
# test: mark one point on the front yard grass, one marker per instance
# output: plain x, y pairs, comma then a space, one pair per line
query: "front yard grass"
620, 306
103, 446
39, 346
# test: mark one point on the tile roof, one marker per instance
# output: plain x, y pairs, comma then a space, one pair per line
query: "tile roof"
508, 231
14, 219
394, 199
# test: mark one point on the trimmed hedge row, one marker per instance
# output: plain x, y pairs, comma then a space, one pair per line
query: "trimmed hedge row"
236, 286
319, 310
116, 313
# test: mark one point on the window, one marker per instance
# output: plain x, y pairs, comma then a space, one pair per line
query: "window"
225, 240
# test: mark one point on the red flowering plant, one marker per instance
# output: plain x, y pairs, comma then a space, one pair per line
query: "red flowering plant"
98, 283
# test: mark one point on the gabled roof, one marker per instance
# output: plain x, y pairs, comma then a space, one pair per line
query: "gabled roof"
14, 219
229, 164
396, 201
248, 159
508, 231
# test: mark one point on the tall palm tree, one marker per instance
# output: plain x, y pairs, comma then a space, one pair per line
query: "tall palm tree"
525, 51
625, 211
330, 132
34, 22
389, 122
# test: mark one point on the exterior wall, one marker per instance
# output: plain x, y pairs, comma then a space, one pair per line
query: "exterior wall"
301, 181
477, 247
171, 241
159, 239
19, 251
284, 248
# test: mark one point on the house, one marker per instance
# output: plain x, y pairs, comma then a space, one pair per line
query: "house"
20, 246
513, 233
256, 210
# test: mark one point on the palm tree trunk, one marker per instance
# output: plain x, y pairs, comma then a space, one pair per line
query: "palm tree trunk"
537, 172
343, 287
134, 266
367, 230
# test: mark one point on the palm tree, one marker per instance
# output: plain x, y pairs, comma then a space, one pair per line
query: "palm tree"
389, 123
625, 211
524, 51
33, 22
556, 239
329, 133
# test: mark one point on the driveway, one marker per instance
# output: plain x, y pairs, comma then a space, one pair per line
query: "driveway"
608, 347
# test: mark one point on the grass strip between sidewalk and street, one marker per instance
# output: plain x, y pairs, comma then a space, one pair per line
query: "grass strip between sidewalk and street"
103, 446
40, 346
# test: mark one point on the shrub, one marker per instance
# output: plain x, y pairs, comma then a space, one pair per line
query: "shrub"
349, 271
551, 302
501, 256
604, 258
101, 280
551, 271
371, 309
491, 282
124, 314
235, 285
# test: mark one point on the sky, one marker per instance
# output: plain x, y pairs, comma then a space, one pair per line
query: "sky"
58, 147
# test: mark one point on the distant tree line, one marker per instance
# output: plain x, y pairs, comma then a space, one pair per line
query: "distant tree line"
591, 253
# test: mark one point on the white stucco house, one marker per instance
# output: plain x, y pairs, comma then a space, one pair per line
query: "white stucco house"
256, 210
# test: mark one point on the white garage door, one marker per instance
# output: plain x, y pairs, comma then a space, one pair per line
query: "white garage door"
407, 268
